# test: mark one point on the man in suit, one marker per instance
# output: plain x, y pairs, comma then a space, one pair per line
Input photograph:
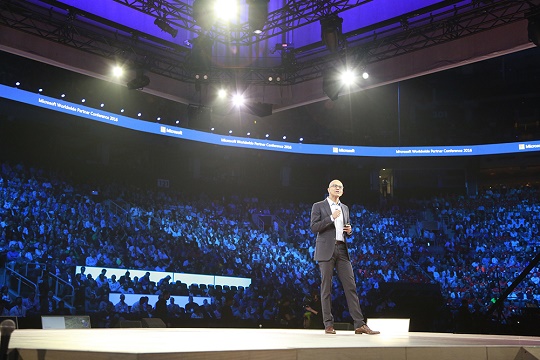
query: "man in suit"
330, 221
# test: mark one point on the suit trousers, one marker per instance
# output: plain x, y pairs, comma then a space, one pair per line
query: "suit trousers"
339, 261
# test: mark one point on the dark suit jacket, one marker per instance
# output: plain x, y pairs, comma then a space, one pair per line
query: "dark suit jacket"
323, 226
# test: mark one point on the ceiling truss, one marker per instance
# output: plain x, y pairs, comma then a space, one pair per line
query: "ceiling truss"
364, 46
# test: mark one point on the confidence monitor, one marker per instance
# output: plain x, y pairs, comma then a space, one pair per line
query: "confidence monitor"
65, 322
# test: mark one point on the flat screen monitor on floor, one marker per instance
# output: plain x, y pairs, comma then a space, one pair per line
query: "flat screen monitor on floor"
390, 326
65, 322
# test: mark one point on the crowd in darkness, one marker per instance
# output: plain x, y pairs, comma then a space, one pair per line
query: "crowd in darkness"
479, 247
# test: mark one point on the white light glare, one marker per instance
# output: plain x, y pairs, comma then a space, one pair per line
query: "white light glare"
222, 93
365, 75
118, 71
238, 99
347, 77
226, 10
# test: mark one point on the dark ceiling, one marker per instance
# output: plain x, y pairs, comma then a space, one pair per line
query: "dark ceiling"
442, 72
393, 40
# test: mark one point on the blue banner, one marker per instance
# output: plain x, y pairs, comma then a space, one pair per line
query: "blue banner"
84, 112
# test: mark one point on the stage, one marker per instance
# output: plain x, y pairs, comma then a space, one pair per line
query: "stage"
263, 344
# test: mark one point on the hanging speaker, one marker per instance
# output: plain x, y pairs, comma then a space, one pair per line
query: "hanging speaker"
533, 29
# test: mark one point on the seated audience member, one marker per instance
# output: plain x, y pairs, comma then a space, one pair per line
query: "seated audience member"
121, 307
18, 308
114, 285
61, 309
32, 304
173, 308
141, 307
48, 304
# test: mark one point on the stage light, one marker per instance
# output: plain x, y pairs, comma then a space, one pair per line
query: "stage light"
158, 118
17, 83
83, 100
226, 10
288, 61
40, 90
200, 59
122, 110
203, 13
139, 82
331, 83
257, 15
365, 75
284, 137
274, 79
267, 136
222, 93
102, 105
283, 46
139, 114
331, 31
348, 77
238, 99
118, 71
301, 139
63, 95
230, 131
164, 26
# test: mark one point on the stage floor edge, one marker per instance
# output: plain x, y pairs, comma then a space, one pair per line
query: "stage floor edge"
263, 344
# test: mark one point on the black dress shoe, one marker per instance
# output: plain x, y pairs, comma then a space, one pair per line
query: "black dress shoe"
329, 330
364, 329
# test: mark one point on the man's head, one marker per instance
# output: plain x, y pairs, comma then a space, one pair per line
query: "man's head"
335, 188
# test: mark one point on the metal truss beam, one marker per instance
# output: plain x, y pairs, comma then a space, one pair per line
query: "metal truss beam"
364, 46
294, 14
62, 26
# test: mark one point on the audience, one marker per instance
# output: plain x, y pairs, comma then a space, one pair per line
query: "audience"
48, 224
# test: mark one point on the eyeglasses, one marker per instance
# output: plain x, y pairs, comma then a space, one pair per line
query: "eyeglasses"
337, 186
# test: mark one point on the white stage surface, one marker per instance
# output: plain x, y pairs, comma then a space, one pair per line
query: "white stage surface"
263, 344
